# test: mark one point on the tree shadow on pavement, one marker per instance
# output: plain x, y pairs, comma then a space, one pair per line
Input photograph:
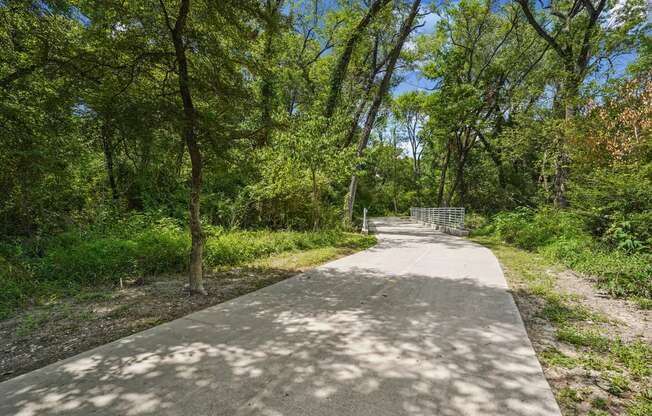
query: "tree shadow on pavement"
332, 341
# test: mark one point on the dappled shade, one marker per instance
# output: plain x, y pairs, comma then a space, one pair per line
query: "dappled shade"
421, 324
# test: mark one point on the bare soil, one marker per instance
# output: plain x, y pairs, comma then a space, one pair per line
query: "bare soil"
586, 388
42, 335
628, 321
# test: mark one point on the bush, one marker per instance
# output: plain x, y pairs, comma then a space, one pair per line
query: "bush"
616, 204
619, 273
529, 229
137, 247
474, 221
563, 237
160, 247
241, 246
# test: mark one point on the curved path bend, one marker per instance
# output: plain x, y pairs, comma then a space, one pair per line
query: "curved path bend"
420, 324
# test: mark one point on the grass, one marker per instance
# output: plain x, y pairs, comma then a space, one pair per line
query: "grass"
583, 338
82, 265
623, 366
298, 260
642, 405
31, 323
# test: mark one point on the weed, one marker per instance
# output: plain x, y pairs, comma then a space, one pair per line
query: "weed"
618, 384
584, 338
635, 356
558, 312
30, 323
600, 403
568, 397
76, 264
555, 358
622, 267
643, 303
641, 406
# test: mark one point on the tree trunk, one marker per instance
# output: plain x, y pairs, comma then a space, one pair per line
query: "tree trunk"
406, 29
458, 184
561, 174
495, 156
315, 200
571, 92
189, 121
107, 147
267, 87
416, 174
442, 176
365, 95
350, 200
337, 77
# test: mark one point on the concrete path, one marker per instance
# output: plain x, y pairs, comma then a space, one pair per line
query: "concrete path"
421, 324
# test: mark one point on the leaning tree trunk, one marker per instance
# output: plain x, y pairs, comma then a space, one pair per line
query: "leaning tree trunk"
337, 77
406, 29
189, 121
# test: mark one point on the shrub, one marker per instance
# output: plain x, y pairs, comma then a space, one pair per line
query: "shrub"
474, 221
529, 229
241, 246
621, 267
617, 272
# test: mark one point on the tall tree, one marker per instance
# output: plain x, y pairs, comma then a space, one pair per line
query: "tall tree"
409, 111
577, 32
406, 28
178, 35
339, 72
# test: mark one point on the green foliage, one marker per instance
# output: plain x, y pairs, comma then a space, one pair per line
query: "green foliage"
617, 206
136, 247
240, 246
617, 272
555, 358
642, 405
583, 338
568, 397
562, 236
94, 259
475, 221
559, 312
531, 229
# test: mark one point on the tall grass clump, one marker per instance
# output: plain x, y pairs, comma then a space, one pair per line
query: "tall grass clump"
135, 247
241, 246
128, 250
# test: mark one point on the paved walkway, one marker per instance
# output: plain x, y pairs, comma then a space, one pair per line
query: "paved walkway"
421, 324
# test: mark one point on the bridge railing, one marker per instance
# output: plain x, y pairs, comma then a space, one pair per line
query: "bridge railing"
449, 217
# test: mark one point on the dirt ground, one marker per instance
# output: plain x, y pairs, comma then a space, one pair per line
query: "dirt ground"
586, 389
42, 335
629, 322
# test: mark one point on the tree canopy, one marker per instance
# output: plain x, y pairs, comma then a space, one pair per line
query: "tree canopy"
286, 114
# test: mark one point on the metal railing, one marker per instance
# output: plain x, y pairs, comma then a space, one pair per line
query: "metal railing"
442, 217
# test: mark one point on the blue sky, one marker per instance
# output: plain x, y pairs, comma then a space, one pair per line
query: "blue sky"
413, 79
